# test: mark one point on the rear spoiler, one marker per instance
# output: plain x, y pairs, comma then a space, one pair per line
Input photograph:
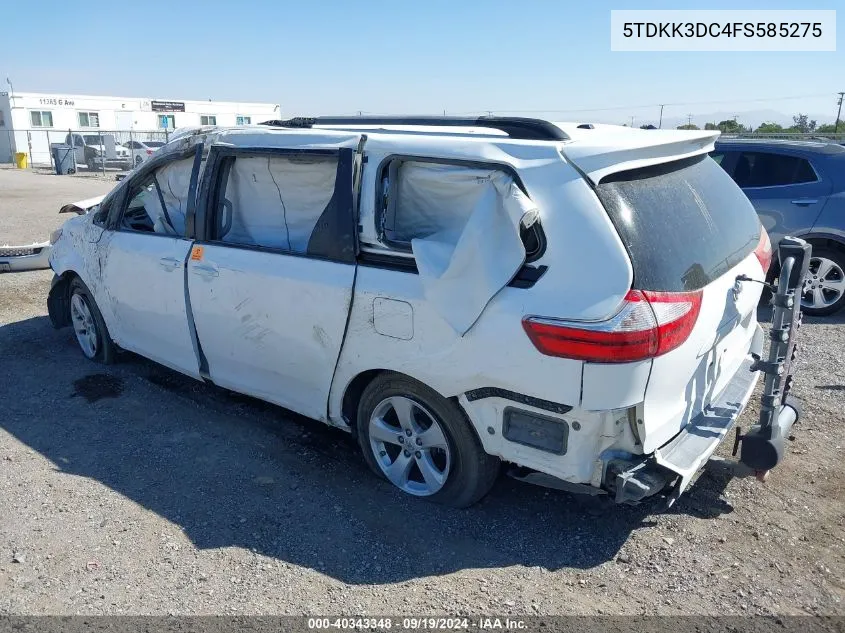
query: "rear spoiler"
605, 150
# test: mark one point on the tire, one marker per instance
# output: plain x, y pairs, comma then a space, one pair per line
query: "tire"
89, 327
459, 472
820, 289
89, 163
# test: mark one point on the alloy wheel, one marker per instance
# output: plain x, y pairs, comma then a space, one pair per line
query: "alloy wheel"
824, 284
410, 446
83, 325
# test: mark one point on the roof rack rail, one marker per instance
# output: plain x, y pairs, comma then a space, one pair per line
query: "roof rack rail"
514, 127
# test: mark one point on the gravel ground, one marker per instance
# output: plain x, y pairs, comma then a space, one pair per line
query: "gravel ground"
133, 490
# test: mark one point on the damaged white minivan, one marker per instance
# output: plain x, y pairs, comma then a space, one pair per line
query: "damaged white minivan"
576, 301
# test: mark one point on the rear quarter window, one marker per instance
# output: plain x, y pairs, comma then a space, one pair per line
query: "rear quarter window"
684, 223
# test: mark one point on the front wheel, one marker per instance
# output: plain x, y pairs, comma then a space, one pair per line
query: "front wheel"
422, 443
824, 287
88, 325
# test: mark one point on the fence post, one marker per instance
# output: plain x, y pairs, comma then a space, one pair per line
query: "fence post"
29, 144
50, 150
103, 154
131, 150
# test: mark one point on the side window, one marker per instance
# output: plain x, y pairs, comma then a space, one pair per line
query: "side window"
761, 169
273, 201
158, 202
422, 198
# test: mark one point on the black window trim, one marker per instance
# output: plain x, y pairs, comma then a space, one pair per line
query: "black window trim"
218, 164
384, 258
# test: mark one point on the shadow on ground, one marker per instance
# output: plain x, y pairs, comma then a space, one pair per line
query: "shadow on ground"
232, 471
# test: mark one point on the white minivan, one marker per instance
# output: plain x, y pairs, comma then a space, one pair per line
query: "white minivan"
576, 301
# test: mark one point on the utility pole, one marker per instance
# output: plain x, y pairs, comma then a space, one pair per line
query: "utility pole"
838, 112
660, 123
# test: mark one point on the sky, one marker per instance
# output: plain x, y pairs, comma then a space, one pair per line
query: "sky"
547, 58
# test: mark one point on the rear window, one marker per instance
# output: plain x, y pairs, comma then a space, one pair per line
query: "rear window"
684, 223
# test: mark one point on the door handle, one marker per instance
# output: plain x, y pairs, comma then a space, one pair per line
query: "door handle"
804, 202
169, 263
206, 271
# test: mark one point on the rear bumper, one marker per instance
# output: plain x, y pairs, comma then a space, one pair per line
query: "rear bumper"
679, 460
15, 259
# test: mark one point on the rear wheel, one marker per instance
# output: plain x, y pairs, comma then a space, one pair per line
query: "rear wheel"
422, 443
88, 325
824, 287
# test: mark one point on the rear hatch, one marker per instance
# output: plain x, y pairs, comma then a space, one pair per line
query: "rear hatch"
689, 230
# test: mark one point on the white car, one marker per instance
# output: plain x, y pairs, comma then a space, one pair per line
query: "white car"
142, 150
576, 301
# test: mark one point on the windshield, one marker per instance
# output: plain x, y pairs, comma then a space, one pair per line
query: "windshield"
684, 223
153, 143
93, 139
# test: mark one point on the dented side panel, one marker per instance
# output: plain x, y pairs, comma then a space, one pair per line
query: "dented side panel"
270, 325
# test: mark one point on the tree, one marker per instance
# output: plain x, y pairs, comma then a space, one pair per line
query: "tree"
770, 128
830, 128
689, 126
730, 126
800, 123
711, 126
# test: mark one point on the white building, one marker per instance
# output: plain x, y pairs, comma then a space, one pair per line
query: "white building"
30, 121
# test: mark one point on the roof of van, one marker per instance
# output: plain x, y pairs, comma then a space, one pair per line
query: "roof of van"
597, 150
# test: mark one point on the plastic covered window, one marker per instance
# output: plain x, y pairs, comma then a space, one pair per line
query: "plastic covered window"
275, 201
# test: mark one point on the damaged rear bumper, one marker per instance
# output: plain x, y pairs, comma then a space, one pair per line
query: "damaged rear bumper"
15, 259
677, 462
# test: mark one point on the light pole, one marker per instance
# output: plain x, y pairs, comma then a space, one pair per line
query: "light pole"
660, 123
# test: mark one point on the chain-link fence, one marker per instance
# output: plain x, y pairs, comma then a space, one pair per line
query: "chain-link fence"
93, 149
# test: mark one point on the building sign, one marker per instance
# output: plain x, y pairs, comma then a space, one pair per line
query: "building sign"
59, 101
167, 106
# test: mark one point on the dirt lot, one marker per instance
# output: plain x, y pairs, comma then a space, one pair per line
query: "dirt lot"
131, 489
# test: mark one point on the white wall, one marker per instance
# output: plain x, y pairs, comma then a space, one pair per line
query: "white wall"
115, 114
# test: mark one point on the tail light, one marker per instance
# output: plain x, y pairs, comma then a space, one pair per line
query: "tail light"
649, 324
149, 152
764, 250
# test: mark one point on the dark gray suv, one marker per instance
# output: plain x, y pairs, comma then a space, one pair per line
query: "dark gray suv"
797, 188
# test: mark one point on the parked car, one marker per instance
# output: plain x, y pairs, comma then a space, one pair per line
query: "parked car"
797, 188
141, 150
577, 302
92, 150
